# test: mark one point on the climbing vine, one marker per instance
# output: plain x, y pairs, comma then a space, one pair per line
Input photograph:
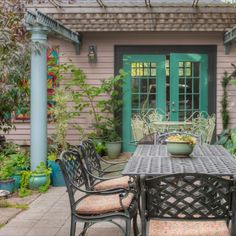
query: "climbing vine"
224, 101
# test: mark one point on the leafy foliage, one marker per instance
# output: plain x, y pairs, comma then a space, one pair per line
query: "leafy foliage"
224, 101
61, 111
14, 65
25, 178
228, 139
105, 112
12, 163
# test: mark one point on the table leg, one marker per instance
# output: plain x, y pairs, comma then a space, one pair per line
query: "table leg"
143, 205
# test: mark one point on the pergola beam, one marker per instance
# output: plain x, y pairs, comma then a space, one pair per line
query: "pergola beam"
229, 38
39, 18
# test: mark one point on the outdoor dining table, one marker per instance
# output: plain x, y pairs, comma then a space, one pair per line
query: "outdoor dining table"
154, 160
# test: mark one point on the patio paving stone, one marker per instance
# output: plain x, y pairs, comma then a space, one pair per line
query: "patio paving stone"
14, 231
49, 215
43, 231
16, 222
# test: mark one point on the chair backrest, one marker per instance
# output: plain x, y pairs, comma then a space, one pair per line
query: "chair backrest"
91, 159
187, 196
139, 127
161, 138
148, 139
204, 124
73, 172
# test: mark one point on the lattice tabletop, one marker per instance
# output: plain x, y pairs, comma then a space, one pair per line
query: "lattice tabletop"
155, 160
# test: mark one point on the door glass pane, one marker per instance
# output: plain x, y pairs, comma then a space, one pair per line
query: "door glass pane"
143, 75
135, 101
188, 89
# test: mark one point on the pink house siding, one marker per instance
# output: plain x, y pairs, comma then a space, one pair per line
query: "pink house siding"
105, 66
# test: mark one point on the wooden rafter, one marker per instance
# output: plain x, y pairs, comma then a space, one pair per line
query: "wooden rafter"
148, 3
100, 3
195, 3
55, 3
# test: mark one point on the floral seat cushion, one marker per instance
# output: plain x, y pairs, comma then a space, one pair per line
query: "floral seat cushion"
188, 228
101, 204
121, 182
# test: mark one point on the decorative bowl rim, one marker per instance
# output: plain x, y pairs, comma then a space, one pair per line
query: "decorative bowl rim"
180, 142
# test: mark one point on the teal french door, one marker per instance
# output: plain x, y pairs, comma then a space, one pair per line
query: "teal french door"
188, 85
175, 85
144, 88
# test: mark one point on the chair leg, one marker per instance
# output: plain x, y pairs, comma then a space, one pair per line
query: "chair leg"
128, 226
73, 226
86, 224
135, 225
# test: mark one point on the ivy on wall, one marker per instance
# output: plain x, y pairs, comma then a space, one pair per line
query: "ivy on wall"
224, 101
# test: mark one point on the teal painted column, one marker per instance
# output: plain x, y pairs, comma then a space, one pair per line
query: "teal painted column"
38, 97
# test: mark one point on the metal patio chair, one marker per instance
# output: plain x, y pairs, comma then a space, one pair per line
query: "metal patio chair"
90, 206
99, 177
149, 139
188, 204
161, 138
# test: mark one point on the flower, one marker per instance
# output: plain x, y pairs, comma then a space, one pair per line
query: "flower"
182, 138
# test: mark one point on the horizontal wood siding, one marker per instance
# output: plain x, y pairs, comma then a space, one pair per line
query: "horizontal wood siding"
104, 68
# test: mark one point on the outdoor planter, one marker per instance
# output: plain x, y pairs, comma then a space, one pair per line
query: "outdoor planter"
37, 180
180, 145
113, 149
57, 178
179, 149
8, 185
17, 178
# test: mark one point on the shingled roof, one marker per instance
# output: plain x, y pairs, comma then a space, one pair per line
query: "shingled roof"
136, 15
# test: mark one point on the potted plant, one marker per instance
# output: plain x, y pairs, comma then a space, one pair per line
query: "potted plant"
18, 159
112, 106
180, 145
7, 169
113, 144
21, 162
56, 175
40, 178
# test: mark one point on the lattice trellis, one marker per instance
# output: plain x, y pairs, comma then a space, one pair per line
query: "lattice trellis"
188, 196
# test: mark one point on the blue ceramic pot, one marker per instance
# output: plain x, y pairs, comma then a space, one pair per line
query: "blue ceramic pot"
17, 178
8, 185
57, 178
37, 180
